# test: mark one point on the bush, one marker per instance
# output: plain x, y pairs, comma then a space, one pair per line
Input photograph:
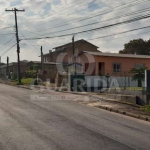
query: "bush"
30, 74
146, 108
27, 80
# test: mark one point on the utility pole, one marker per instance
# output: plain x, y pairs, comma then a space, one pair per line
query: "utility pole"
7, 67
17, 39
73, 53
41, 58
0, 68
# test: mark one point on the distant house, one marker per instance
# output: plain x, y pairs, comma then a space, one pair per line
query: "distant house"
13, 69
49, 71
34, 65
102, 64
63, 54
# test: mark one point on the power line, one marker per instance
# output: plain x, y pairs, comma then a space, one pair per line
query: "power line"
121, 33
57, 12
29, 42
124, 36
94, 23
8, 45
129, 4
94, 29
12, 37
8, 49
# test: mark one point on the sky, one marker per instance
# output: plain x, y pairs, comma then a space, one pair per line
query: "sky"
53, 18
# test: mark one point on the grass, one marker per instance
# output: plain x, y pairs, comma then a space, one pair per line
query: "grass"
25, 81
146, 108
133, 88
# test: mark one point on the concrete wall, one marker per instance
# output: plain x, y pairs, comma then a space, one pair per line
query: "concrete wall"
94, 81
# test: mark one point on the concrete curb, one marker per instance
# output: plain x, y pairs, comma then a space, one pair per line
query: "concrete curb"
95, 96
115, 110
77, 93
125, 113
19, 86
115, 101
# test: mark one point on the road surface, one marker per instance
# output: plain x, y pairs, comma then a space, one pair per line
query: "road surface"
59, 123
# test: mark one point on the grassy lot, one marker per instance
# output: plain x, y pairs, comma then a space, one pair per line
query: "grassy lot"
146, 108
134, 88
129, 88
25, 81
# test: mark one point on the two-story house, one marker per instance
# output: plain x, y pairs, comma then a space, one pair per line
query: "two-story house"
64, 53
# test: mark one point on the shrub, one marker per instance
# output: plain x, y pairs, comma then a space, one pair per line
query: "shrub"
146, 108
30, 74
27, 80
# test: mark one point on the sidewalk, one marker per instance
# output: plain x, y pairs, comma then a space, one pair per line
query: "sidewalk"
95, 100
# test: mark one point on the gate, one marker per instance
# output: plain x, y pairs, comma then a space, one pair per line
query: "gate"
77, 82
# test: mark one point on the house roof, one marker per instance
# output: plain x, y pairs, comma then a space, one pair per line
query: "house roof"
75, 42
13, 64
116, 55
36, 62
47, 54
70, 64
45, 63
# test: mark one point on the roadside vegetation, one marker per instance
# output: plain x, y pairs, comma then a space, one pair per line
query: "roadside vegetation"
138, 75
25, 81
146, 108
28, 78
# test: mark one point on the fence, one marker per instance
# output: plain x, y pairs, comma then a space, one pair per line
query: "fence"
98, 81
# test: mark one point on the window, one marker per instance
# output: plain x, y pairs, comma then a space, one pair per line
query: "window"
116, 67
138, 66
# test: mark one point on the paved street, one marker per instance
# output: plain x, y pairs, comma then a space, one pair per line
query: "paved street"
59, 123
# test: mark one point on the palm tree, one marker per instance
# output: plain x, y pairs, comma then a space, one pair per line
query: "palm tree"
139, 75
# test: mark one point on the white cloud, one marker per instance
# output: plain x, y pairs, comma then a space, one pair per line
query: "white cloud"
65, 13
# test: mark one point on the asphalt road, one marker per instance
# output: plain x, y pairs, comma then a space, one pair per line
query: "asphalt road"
59, 123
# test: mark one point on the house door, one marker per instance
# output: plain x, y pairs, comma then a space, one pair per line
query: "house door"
101, 68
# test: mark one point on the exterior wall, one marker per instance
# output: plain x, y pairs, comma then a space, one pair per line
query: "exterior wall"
61, 51
95, 81
13, 68
126, 64
107, 63
51, 72
3, 72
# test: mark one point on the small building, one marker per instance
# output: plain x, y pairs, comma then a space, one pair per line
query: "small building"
49, 71
13, 69
102, 64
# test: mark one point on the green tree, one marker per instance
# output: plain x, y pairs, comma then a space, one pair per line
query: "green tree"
138, 75
137, 46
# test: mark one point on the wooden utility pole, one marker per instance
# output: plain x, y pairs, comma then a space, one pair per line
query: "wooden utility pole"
17, 39
41, 58
0, 67
73, 53
7, 67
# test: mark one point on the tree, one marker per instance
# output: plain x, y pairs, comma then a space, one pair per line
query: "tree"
137, 46
139, 75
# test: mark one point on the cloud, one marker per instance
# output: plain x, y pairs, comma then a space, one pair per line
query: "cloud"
47, 18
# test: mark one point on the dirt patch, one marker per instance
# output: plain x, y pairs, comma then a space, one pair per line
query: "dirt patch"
124, 107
